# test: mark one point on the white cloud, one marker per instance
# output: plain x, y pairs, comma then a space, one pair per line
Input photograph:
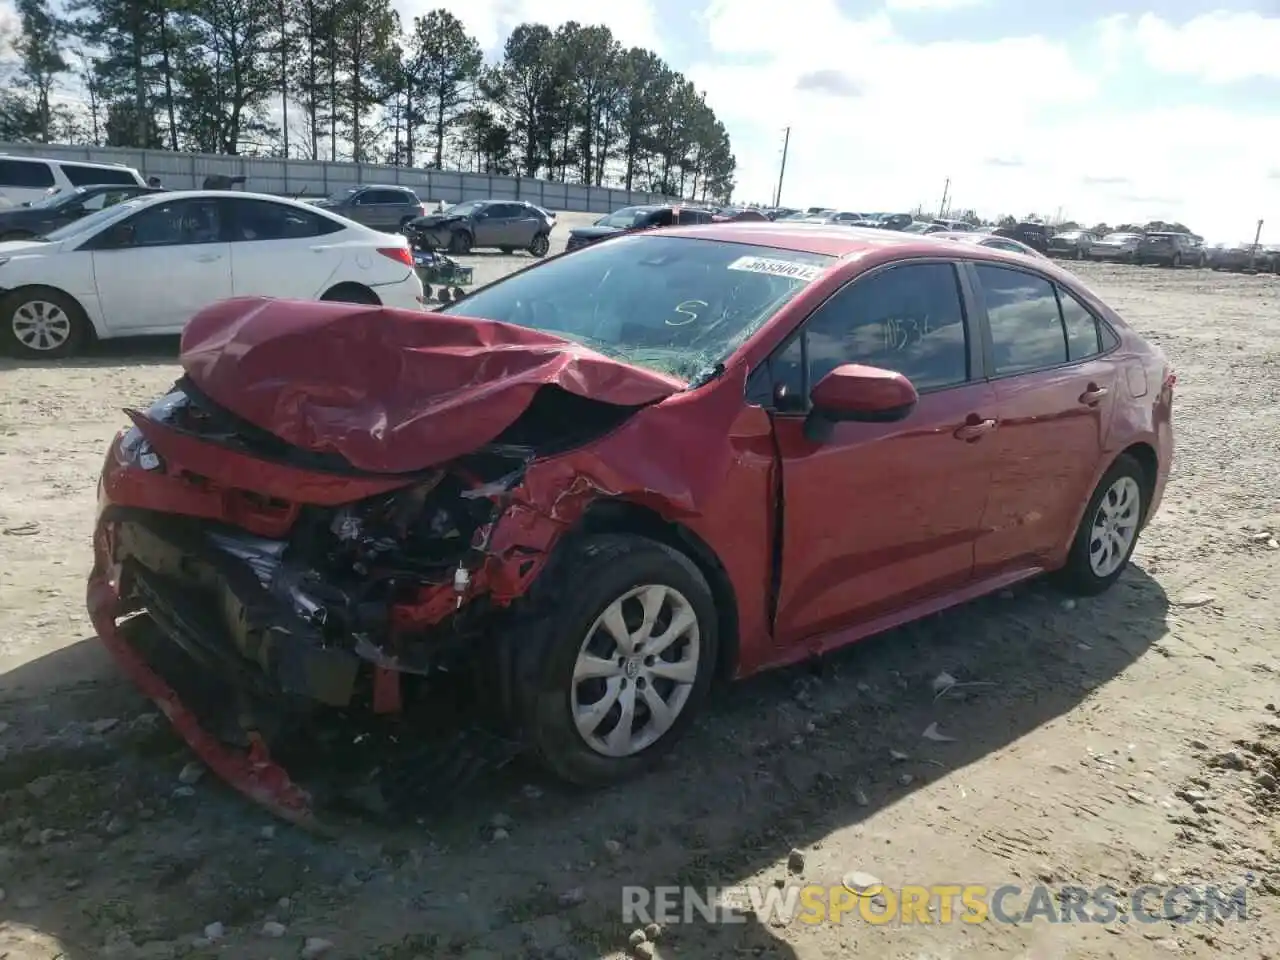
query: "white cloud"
1218, 47
879, 122
931, 6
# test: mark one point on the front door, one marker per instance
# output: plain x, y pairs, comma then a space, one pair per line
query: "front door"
882, 515
1054, 394
157, 268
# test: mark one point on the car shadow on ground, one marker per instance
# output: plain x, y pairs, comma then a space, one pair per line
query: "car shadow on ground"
776, 764
136, 351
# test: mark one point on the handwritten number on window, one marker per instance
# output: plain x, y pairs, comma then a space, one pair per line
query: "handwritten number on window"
903, 333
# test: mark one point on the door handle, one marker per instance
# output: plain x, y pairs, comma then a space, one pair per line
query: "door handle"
1093, 394
208, 257
975, 428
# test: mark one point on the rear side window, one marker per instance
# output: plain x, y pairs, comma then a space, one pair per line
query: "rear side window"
1026, 326
1083, 338
29, 174
80, 176
264, 220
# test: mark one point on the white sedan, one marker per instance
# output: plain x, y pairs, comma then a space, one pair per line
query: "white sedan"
147, 265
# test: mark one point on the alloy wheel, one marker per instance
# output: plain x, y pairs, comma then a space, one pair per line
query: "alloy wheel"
635, 670
1115, 526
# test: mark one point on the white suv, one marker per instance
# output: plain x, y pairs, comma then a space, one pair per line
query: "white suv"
27, 179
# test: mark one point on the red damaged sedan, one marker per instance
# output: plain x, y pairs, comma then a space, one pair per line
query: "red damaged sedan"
610, 480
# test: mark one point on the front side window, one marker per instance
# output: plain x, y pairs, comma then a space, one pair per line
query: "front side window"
906, 318
176, 223
1026, 327
626, 218
672, 304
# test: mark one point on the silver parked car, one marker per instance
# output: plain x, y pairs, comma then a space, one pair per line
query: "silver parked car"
509, 225
1116, 246
1007, 244
380, 207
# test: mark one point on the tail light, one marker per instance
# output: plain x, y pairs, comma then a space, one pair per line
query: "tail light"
398, 254
426, 210
1170, 379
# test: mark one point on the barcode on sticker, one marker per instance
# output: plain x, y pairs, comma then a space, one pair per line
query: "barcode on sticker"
776, 268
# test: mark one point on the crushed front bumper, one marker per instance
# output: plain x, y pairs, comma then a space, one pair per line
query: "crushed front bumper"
226, 707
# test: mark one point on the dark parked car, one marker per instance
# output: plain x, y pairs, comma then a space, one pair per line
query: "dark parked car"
380, 207
1034, 235
64, 207
595, 488
1171, 250
630, 219
1241, 257
509, 225
1071, 244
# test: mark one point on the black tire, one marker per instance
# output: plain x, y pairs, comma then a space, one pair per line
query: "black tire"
351, 293
460, 242
78, 329
539, 245
581, 585
1078, 576
506, 251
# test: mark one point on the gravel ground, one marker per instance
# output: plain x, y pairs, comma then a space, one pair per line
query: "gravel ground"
1120, 741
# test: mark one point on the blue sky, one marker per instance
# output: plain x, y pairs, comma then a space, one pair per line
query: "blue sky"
1123, 110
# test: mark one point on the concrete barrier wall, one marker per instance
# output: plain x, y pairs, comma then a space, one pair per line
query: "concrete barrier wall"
312, 178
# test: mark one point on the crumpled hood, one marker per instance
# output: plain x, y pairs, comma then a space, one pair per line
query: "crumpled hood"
391, 391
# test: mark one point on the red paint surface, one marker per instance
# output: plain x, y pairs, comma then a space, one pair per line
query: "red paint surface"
392, 391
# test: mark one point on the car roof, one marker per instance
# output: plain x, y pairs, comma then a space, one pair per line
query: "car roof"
841, 242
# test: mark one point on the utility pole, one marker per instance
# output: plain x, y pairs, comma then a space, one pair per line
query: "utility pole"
942, 207
786, 142
1253, 251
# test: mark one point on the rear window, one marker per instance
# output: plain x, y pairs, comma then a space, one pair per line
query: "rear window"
27, 174
676, 305
83, 176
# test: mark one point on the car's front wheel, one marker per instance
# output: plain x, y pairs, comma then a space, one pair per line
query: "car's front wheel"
1108, 532
539, 245
39, 323
460, 242
627, 656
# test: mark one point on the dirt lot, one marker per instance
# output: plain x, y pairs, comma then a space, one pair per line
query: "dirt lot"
1120, 741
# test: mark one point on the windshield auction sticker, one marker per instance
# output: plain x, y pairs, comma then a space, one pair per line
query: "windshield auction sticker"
777, 268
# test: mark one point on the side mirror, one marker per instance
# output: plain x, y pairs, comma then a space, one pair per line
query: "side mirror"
858, 394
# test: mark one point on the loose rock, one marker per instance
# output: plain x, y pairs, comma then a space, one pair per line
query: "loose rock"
315, 947
637, 937
273, 929
795, 861
214, 931
191, 773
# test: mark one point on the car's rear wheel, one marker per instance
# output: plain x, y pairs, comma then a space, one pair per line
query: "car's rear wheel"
1109, 529
626, 658
460, 242
539, 245
1176, 261
40, 323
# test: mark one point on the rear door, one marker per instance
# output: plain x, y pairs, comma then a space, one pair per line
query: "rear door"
157, 268
1054, 393
279, 250
524, 223
882, 515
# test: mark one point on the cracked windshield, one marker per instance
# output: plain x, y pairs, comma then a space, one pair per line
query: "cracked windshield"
676, 305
